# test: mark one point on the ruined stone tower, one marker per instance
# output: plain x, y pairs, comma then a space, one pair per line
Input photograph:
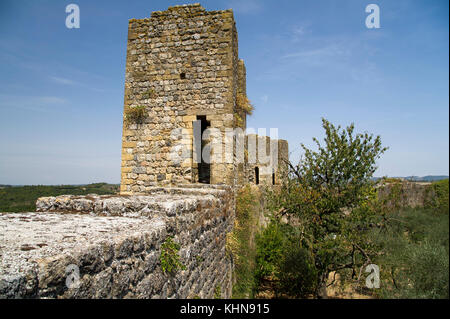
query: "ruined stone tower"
182, 66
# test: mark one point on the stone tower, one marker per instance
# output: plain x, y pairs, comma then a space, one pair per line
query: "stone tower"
182, 66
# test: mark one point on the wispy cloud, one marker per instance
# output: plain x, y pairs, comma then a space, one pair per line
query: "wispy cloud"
61, 80
323, 52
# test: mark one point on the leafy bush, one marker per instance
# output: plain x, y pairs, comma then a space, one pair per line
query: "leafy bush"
297, 273
328, 194
269, 251
281, 259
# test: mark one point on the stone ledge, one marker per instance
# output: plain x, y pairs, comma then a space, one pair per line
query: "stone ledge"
31, 244
158, 201
115, 242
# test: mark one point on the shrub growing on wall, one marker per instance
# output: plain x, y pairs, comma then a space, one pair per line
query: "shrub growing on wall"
135, 114
170, 260
440, 198
244, 104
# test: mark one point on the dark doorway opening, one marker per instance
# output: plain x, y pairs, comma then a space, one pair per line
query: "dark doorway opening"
204, 169
257, 175
273, 178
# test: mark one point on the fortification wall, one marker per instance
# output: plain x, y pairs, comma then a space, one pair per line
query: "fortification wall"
266, 162
181, 64
406, 194
115, 243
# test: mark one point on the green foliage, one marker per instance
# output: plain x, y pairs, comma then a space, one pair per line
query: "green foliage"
269, 250
169, 258
135, 114
339, 172
23, 198
297, 273
281, 259
414, 259
440, 198
240, 242
218, 292
329, 194
342, 225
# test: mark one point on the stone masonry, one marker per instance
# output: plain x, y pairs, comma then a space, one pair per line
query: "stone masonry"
182, 66
115, 243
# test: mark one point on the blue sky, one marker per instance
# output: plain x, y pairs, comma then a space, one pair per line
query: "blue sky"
61, 90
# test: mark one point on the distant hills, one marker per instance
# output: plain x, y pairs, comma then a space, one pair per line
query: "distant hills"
428, 178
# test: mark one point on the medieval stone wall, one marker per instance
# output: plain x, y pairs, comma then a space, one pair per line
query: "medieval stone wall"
405, 194
266, 163
181, 63
115, 243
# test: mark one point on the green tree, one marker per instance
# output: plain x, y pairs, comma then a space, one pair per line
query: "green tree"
328, 193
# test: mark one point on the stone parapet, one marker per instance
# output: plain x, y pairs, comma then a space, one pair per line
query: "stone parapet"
115, 244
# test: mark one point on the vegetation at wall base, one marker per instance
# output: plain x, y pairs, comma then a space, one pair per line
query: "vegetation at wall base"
240, 243
414, 254
327, 197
